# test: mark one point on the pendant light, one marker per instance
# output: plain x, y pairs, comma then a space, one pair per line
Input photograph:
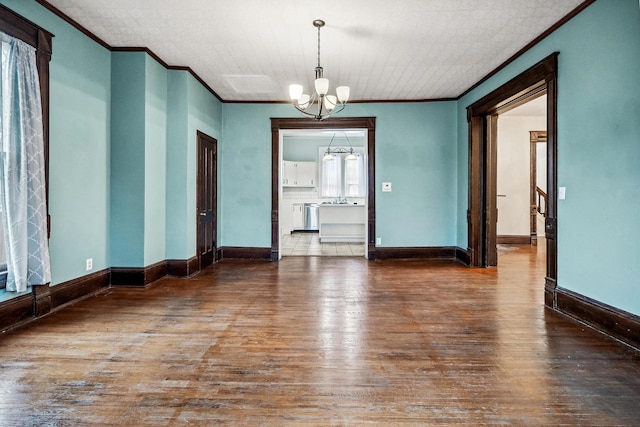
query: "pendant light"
319, 105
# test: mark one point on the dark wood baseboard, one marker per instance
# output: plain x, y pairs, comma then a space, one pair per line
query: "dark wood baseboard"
138, 276
419, 252
80, 287
182, 267
463, 256
16, 311
604, 318
513, 240
241, 252
45, 299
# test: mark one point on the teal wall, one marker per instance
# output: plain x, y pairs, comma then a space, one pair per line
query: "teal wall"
176, 181
598, 150
79, 145
127, 228
415, 150
155, 162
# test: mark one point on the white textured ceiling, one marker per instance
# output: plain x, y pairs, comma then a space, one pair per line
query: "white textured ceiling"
251, 50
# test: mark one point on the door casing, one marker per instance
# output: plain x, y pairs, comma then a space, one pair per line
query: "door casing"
277, 124
481, 213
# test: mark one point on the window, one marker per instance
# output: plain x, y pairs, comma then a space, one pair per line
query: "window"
341, 178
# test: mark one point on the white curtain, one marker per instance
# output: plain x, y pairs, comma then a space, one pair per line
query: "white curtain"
341, 177
331, 172
355, 181
22, 190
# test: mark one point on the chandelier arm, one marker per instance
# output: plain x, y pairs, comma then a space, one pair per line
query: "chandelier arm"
338, 109
335, 104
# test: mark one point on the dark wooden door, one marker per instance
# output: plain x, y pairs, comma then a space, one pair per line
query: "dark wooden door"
207, 195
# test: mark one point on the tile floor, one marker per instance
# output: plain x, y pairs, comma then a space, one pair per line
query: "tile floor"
308, 244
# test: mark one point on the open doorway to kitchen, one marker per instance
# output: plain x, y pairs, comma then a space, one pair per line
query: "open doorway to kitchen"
323, 192
343, 215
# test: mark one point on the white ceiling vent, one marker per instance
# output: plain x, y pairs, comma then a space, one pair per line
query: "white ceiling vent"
250, 84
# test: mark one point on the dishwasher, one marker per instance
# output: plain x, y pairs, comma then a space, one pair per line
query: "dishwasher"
311, 220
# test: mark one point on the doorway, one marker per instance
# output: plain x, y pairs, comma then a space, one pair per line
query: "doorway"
482, 119
323, 185
279, 125
207, 199
521, 174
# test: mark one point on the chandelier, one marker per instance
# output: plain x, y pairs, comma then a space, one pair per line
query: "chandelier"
319, 105
329, 154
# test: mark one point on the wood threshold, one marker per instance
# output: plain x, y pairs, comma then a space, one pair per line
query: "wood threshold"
513, 240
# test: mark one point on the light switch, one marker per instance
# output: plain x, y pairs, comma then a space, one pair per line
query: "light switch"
386, 186
562, 192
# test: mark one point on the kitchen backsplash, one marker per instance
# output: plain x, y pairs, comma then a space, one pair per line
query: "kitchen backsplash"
309, 195
300, 193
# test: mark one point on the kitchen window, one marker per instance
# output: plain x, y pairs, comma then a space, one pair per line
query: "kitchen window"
341, 178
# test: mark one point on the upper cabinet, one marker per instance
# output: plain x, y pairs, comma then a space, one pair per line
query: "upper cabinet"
298, 174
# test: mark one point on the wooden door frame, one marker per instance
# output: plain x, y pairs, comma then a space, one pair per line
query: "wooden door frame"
199, 137
535, 137
542, 77
278, 124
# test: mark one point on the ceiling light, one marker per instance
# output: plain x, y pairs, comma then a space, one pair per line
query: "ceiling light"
329, 154
319, 105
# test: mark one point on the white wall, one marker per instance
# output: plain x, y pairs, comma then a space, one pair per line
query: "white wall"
513, 173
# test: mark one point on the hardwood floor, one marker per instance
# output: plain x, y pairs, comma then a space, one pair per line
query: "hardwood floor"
321, 341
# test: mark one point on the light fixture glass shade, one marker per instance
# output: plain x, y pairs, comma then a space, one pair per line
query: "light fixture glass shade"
303, 101
343, 93
328, 157
351, 156
330, 102
322, 86
295, 91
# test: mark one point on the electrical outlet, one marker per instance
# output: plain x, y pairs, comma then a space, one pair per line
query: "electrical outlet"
378, 240
89, 264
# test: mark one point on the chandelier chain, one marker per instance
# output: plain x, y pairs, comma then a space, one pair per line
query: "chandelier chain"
319, 46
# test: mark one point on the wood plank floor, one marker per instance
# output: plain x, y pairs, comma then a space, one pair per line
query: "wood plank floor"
321, 341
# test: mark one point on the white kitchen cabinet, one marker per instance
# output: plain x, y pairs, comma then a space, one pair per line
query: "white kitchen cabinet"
298, 174
286, 218
306, 174
288, 173
298, 216
342, 223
